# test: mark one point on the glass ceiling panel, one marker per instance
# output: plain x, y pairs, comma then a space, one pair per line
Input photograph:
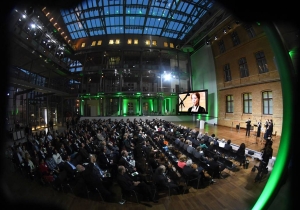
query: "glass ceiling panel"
167, 18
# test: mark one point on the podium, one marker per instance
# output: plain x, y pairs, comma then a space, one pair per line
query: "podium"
201, 124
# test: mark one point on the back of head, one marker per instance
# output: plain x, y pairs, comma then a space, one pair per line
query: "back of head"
182, 158
228, 141
189, 162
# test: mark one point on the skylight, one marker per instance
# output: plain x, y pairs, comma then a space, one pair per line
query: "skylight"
166, 18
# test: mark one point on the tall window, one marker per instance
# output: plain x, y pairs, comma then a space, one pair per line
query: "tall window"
261, 62
235, 38
244, 72
247, 103
229, 103
267, 102
250, 30
227, 73
222, 46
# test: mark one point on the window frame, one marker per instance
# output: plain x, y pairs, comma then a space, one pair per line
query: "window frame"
243, 67
227, 72
247, 103
269, 101
261, 61
221, 46
229, 104
235, 38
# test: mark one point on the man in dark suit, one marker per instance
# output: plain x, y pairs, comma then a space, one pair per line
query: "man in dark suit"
86, 175
192, 172
127, 183
190, 147
227, 146
215, 168
70, 166
125, 161
248, 127
162, 181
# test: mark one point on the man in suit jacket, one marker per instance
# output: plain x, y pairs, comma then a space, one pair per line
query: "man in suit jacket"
70, 166
162, 181
190, 147
125, 161
248, 127
215, 167
126, 183
86, 175
227, 146
192, 172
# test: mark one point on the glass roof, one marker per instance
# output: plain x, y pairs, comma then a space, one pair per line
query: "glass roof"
166, 18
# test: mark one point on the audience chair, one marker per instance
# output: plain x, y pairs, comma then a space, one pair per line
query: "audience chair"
129, 194
93, 189
189, 180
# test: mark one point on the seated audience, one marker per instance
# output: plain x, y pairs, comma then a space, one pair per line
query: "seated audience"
182, 161
127, 183
162, 181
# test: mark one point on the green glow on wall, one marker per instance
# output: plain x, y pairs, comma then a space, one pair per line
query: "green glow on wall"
125, 107
81, 107
286, 77
151, 105
137, 106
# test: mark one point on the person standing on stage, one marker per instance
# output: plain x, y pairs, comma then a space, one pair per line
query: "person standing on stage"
248, 127
258, 129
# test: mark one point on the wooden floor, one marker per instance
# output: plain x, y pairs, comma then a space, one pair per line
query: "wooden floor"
237, 191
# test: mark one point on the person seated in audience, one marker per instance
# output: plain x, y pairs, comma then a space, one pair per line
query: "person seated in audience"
177, 140
29, 166
186, 144
182, 141
58, 159
85, 173
199, 154
227, 146
205, 138
194, 171
211, 146
126, 183
45, 173
162, 160
126, 161
215, 167
190, 147
70, 166
152, 160
52, 164
103, 175
83, 153
106, 163
163, 181
127, 142
182, 161
203, 145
